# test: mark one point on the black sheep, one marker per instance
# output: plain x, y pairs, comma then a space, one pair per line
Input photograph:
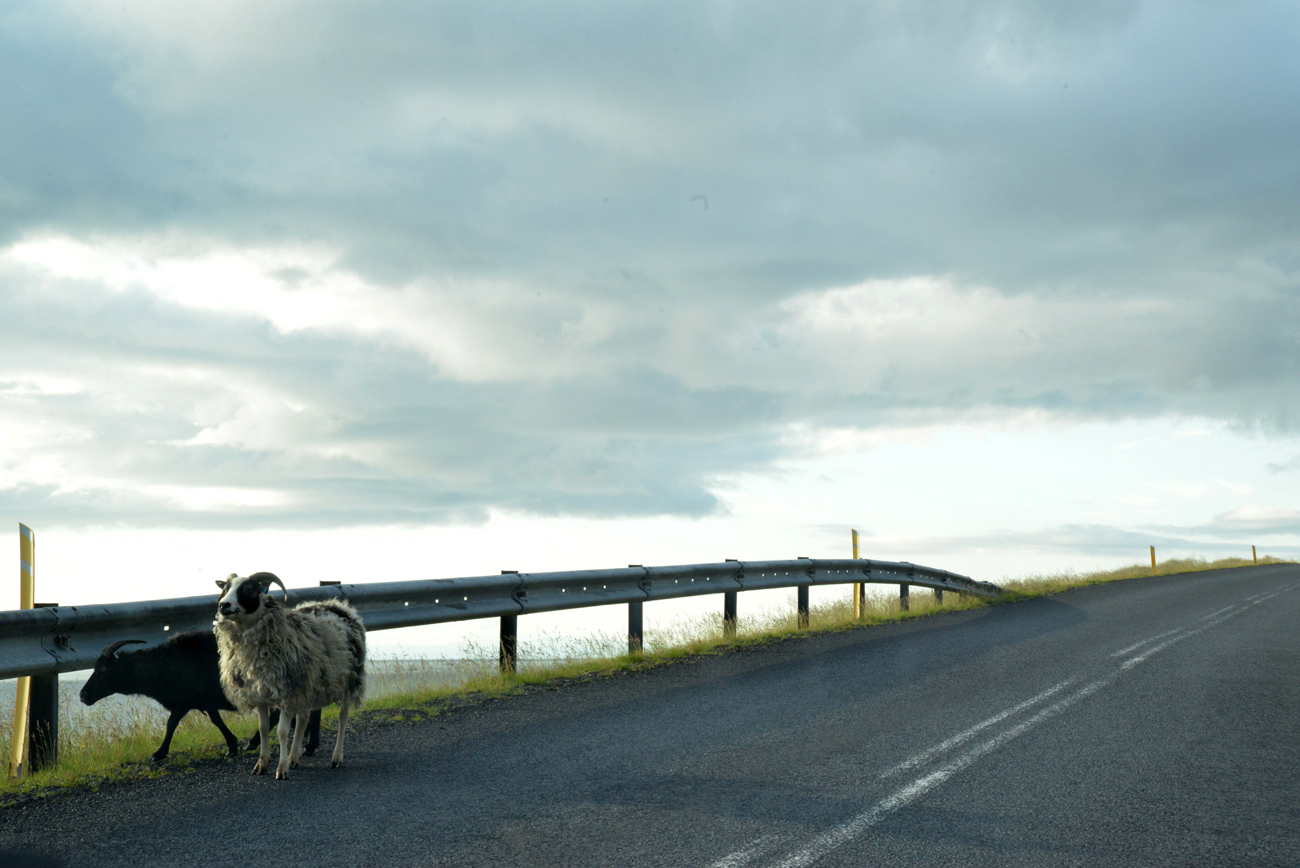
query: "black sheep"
181, 675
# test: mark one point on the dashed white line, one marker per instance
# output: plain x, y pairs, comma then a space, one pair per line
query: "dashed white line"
755, 848
967, 735
842, 834
1218, 612
1136, 645
845, 832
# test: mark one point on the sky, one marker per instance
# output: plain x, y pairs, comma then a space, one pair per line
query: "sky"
362, 291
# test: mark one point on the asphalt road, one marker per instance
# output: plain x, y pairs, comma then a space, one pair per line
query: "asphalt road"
1148, 722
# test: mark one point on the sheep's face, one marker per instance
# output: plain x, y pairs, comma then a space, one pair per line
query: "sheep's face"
102, 682
111, 674
241, 597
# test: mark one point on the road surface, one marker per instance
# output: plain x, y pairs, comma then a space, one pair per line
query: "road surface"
1148, 722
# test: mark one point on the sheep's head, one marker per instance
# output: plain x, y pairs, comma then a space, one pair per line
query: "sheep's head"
107, 678
241, 596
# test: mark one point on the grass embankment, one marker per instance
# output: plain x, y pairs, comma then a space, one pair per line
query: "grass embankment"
100, 745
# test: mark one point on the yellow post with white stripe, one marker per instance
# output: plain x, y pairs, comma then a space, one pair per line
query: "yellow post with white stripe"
858, 594
1153, 560
26, 600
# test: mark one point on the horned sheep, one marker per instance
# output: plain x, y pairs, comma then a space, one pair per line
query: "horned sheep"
181, 675
295, 659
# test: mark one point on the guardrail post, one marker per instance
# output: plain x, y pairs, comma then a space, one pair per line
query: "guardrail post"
43, 718
938, 596
803, 606
729, 614
634, 640
903, 591
509, 643
22, 692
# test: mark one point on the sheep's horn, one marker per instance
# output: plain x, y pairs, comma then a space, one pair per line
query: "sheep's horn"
112, 649
267, 579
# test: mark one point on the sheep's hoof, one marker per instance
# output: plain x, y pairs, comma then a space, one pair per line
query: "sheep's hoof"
335, 763
293, 764
282, 774
260, 768
157, 757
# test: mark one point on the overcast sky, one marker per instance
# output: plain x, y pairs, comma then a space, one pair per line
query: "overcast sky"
678, 271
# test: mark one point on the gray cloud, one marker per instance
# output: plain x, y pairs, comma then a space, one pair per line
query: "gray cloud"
1285, 466
917, 212
1108, 541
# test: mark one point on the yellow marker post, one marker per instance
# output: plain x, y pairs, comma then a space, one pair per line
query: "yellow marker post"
1254, 557
26, 599
1153, 560
859, 594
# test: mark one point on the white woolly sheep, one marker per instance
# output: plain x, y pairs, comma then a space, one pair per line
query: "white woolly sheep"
293, 659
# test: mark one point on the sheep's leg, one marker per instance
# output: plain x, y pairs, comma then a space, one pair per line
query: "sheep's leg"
264, 748
313, 733
337, 759
232, 743
299, 730
256, 740
172, 720
282, 770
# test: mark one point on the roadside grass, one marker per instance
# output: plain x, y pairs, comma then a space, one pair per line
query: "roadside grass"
1041, 585
100, 745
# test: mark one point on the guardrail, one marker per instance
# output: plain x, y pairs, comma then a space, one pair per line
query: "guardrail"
58, 639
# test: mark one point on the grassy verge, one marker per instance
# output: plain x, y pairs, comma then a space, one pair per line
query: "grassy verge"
100, 746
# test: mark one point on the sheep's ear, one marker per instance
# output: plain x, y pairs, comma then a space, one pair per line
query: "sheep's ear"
220, 584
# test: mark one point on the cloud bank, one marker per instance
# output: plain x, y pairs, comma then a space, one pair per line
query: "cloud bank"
328, 263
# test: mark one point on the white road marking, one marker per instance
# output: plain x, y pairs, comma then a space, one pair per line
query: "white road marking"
967, 735
1136, 645
1217, 612
1191, 631
753, 849
845, 832
1270, 596
837, 837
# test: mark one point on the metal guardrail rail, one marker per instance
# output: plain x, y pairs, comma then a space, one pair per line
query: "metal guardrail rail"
67, 638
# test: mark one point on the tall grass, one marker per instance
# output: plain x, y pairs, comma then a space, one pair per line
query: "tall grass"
106, 741
1038, 585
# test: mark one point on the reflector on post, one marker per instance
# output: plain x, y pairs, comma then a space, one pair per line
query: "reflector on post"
859, 588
